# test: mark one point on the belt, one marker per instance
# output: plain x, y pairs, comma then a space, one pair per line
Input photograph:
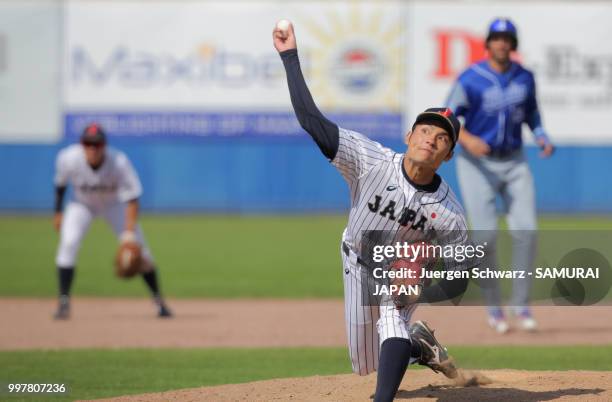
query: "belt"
347, 251
502, 153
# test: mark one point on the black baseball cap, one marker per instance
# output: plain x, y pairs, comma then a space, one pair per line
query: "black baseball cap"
93, 134
445, 117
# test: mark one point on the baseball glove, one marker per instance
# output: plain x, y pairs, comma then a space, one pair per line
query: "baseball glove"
128, 260
410, 278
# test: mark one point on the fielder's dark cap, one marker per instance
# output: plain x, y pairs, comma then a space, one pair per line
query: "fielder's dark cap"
445, 117
93, 134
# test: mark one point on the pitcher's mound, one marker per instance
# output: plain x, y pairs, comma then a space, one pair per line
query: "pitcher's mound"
418, 385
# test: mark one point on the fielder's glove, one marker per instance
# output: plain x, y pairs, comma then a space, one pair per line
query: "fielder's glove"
128, 260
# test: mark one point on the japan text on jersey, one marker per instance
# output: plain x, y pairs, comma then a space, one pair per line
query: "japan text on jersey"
383, 198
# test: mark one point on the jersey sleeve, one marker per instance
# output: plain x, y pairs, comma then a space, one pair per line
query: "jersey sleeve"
62, 169
129, 182
457, 100
532, 114
323, 131
357, 154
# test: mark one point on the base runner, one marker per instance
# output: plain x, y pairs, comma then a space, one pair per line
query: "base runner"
496, 96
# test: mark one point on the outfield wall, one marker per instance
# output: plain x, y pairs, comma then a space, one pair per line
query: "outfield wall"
285, 176
204, 110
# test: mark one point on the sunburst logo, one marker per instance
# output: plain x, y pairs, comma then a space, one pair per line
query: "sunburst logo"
356, 57
357, 69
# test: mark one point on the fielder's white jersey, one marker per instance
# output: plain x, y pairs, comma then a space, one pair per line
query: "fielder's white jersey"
384, 199
115, 181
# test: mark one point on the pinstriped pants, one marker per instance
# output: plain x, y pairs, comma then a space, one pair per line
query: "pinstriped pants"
367, 327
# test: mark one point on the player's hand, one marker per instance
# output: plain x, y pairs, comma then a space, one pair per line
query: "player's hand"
57, 221
284, 40
547, 148
476, 147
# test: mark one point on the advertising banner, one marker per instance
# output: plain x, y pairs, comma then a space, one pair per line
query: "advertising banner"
561, 43
30, 97
210, 68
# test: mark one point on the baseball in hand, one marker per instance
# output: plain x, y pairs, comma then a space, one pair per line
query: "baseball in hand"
283, 25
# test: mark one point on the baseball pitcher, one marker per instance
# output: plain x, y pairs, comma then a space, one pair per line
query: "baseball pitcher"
391, 192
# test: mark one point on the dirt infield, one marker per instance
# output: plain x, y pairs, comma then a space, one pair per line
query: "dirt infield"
418, 385
115, 323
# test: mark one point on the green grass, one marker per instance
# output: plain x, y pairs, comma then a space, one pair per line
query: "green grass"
198, 256
201, 256
566, 357
103, 373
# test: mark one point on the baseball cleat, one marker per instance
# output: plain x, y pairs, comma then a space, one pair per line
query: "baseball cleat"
164, 311
526, 322
433, 354
500, 325
63, 309
497, 320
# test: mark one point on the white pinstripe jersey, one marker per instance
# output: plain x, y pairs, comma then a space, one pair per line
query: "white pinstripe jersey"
383, 199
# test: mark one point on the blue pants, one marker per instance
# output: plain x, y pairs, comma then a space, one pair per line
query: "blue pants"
481, 180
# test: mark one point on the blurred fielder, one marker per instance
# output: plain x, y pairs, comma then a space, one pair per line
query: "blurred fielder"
496, 96
392, 192
105, 184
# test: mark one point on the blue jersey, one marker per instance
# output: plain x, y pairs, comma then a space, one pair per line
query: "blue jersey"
495, 105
